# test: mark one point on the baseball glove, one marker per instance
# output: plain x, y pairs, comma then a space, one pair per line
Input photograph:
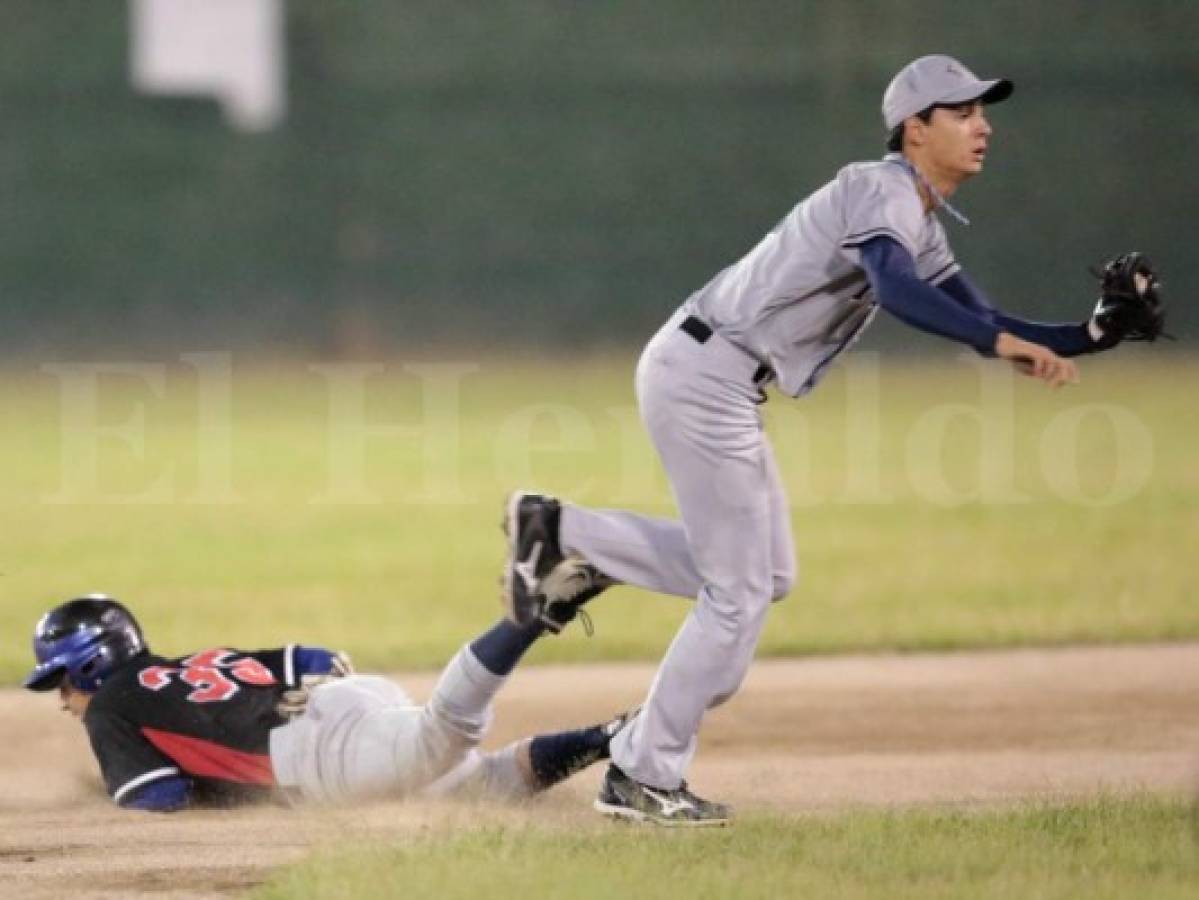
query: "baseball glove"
1129, 307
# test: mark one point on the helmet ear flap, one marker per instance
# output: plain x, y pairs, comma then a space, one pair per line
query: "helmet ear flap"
85, 677
91, 667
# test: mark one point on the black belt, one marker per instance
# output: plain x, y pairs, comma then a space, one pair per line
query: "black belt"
701, 331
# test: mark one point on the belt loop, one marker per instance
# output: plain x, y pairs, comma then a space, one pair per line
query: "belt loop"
701, 331
697, 328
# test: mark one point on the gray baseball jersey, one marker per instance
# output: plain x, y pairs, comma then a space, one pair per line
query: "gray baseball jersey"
799, 298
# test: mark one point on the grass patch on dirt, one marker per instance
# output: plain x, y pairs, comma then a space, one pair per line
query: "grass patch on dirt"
1111, 847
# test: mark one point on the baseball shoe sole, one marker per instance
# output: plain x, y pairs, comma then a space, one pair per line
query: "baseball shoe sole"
531, 526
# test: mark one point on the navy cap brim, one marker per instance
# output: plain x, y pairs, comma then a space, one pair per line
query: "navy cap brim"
991, 92
47, 679
998, 92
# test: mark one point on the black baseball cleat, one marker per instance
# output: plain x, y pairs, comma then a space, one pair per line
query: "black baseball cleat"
531, 525
540, 583
623, 798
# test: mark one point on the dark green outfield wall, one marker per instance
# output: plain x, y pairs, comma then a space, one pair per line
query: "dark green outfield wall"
517, 171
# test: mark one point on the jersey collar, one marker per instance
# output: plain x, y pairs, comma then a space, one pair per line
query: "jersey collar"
938, 200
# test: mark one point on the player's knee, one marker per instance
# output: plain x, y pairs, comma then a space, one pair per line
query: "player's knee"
737, 612
466, 725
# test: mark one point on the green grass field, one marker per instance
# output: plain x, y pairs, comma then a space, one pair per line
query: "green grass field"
935, 505
1104, 848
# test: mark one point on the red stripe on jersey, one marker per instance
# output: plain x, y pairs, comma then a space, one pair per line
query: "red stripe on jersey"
207, 759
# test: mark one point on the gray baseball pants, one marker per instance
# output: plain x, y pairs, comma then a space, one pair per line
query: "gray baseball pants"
732, 550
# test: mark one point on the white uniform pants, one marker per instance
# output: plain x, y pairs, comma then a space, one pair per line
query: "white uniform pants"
732, 550
363, 737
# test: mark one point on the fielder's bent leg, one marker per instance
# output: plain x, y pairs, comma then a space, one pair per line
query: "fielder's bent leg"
699, 406
645, 551
653, 553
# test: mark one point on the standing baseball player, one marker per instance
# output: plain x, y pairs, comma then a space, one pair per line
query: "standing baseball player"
228, 726
781, 315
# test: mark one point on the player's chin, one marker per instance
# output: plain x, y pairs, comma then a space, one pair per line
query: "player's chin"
969, 168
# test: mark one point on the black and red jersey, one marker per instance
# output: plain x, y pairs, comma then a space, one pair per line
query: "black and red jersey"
206, 717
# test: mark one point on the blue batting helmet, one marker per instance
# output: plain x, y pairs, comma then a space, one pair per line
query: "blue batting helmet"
83, 640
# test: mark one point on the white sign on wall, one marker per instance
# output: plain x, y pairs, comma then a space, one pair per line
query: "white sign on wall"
230, 49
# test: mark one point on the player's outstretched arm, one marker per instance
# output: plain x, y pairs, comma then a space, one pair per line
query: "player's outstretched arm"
899, 290
1064, 339
892, 274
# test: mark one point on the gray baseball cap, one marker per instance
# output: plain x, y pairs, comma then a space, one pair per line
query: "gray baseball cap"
935, 79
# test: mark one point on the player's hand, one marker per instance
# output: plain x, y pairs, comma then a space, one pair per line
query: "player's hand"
316, 666
320, 661
1036, 361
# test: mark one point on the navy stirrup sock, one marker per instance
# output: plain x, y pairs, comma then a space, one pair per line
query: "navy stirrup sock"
500, 649
558, 756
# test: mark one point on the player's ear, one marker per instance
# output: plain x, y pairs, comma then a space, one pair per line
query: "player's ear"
914, 131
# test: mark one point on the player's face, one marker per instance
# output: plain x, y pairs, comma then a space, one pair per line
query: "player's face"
73, 701
956, 140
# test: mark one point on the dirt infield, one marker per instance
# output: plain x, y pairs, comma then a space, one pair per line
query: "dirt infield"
803, 735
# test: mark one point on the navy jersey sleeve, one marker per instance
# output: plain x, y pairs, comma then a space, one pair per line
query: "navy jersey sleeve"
1069, 339
291, 663
900, 291
128, 762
